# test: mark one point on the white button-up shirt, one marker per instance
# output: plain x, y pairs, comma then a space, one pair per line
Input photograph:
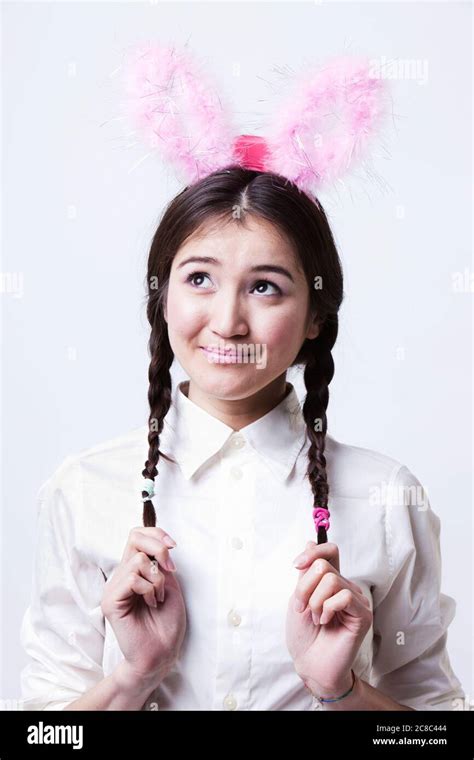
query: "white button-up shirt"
239, 506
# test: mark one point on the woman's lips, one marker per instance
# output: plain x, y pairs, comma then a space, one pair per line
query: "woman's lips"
211, 350
211, 353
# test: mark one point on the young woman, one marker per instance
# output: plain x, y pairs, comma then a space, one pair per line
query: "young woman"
196, 603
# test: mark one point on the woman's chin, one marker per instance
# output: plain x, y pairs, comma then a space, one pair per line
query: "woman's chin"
231, 383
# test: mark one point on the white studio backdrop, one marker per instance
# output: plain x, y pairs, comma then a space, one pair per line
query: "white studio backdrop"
77, 223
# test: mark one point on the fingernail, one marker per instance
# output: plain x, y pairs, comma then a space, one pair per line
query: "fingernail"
169, 564
315, 617
169, 541
162, 595
154, 603
300, 560
299, 605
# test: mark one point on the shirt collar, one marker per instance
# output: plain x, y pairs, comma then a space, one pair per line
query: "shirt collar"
193, 435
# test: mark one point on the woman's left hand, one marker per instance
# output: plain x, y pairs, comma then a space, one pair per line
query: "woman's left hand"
324, 649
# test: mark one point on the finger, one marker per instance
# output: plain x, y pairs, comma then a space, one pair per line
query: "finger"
149, 570
345, 600
310, 590
359, 591
313, 551
134, 583
139, 564
140, 541
310, 580
329, 585
160, 583
355, 587
155, 532
159, 533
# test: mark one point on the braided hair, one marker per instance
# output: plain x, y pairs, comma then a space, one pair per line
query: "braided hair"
232, 194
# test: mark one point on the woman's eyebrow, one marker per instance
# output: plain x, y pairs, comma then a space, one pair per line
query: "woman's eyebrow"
259, 268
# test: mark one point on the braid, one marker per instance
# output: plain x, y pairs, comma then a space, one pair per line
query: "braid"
159, 398
318, 373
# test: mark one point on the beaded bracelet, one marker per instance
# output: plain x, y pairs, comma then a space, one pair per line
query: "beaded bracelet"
336, 699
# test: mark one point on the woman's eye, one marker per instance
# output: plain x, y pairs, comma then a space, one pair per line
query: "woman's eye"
258, 285
196, 275
267, 282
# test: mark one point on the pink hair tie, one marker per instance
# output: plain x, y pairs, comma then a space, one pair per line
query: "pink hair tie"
321, 518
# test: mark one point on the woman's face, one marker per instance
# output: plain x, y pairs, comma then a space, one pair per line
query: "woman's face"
234, 325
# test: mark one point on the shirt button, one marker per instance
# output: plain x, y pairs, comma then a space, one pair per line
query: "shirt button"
230, 702
234, 618
237, 542
236, 473
238, 442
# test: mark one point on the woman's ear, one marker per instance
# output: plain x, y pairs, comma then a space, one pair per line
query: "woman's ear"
314, 328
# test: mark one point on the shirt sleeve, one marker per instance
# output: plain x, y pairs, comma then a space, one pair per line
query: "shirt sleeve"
62, 630
411, 615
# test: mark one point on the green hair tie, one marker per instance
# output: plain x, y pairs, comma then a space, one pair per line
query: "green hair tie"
149, 487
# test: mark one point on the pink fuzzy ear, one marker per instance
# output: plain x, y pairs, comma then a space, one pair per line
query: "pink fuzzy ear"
327, 122
177, 110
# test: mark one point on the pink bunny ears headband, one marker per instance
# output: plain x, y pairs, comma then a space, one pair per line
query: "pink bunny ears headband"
317, 133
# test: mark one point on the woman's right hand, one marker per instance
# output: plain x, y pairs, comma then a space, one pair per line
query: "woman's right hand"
149, 632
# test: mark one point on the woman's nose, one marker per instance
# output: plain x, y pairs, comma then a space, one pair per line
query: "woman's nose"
228, 316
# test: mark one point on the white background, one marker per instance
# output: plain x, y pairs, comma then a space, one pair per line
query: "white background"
77, 224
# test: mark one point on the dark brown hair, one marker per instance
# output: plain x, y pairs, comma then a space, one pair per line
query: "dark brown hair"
302, 220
